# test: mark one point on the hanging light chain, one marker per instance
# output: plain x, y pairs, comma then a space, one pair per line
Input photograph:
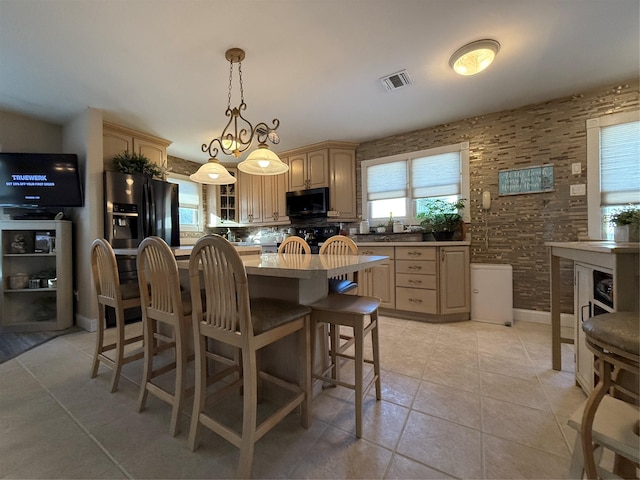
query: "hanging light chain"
241, 137
230, 83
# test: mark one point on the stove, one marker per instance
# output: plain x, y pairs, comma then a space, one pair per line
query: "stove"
315, 237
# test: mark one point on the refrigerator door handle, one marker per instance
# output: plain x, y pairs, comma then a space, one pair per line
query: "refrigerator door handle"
145, 211
153, 226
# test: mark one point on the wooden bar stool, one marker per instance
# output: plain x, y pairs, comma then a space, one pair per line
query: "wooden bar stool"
614, 339
350, 311
294, 244
111, 293
164, 303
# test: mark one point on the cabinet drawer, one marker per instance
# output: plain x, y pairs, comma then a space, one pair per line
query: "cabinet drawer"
386, 251
421, 267
416, 281
416, 300
415, 253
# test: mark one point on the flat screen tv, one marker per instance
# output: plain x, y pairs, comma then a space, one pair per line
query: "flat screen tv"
39, 180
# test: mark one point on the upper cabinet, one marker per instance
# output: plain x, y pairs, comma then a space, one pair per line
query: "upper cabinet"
326, 164
309, 170
342, 183
116, 139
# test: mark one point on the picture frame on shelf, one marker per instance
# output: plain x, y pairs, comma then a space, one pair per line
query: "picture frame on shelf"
43, 242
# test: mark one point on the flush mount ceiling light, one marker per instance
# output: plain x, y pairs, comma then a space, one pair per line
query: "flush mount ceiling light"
239, 133
474, 57
213, 173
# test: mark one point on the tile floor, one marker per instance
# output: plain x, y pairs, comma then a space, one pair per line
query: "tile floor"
462, 400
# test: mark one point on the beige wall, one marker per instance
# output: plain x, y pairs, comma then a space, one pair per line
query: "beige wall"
19, 133
551, 132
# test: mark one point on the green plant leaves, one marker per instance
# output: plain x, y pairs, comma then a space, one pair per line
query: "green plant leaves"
128, 162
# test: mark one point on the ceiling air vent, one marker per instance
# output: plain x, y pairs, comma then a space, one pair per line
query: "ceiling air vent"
396, 80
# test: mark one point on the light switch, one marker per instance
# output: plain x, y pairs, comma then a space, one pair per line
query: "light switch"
577, 190
576, 168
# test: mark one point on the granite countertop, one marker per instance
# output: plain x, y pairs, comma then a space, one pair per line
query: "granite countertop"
602, 246
414, 244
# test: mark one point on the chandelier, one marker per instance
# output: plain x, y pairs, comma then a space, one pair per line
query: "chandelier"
239, 134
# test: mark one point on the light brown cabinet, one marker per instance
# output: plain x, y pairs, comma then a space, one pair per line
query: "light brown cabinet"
378, 281
454, 280
222, 202
342, 183
36, 293
309, 170
262, 199
327, 164
428, 282
117, 139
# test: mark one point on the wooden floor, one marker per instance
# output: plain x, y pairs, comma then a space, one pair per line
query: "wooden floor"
13, 344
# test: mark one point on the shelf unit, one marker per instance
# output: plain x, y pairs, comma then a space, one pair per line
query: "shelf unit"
42, 307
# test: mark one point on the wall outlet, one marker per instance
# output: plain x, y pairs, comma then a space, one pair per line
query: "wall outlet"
577, 190
576, 168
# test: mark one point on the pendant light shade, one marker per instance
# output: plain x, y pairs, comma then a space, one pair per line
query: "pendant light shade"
263, 161
474, 57
213, 173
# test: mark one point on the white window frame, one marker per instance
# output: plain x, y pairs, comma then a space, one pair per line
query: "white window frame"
190, 227
462, 148
593, 166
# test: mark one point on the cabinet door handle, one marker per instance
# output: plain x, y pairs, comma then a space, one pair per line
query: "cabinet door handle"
582, 311
415, 300
366, 252
415, 282
415, 267
414, 254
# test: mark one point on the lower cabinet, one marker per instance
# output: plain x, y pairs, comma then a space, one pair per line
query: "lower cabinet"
378, 281
583, 284
422, 282
36, 293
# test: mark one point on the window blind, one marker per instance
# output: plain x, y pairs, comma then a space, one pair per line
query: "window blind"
387, 180
620, 164
446, 180
188, 194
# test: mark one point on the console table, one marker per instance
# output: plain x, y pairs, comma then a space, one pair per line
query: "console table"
620, 259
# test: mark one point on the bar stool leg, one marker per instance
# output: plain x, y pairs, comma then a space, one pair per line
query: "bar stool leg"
358, 332
589, 414
375, 345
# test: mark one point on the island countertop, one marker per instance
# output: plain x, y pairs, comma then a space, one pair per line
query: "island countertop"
285, 265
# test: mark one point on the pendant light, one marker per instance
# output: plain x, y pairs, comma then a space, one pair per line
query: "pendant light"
213, 173
263, 161
239, 133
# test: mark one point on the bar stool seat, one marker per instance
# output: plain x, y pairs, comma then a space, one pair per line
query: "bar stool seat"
337, 311
614, 339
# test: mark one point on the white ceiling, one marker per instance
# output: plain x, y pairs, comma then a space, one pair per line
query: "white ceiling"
159, 66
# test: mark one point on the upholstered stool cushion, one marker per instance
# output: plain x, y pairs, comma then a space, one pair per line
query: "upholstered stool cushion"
618, 329
339, 285
347, 304
268, 313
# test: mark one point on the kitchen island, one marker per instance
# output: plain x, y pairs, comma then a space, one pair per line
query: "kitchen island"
300, 279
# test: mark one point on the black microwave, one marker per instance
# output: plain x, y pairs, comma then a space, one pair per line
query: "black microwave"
310, 203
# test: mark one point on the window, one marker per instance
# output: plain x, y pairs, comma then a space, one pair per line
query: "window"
613, 169
189, 195
398, 185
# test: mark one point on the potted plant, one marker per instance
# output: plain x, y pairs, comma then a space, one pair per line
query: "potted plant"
626, 224
132, 162
441, 218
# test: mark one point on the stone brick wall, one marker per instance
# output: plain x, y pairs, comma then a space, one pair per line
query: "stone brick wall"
553, 132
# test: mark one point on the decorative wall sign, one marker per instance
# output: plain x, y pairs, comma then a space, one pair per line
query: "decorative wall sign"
526, 180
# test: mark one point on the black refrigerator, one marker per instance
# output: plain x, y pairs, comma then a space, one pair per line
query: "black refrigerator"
137, 206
